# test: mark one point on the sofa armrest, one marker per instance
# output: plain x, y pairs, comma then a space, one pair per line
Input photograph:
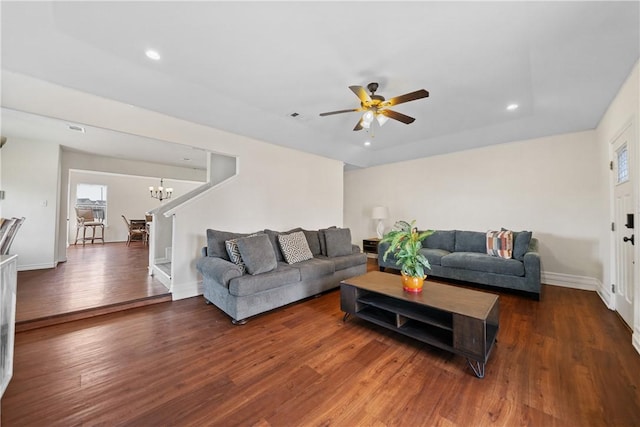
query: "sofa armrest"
355, 249
532, 263
218, 269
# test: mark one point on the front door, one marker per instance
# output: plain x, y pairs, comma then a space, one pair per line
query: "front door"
624, 217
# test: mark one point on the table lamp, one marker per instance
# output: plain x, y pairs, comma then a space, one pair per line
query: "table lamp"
380, 213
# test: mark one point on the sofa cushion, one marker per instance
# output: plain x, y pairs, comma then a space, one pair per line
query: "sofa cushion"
313, 240
314, 268
483, 263
441, 239
434, 255
347, 261
323, 240
500, 243
249, 285
470, 241
215, 242
338, 242
294, 247
521, 240
273, 238
257, 254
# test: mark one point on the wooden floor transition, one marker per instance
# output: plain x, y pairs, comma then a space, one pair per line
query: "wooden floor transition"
96, 279
563, 361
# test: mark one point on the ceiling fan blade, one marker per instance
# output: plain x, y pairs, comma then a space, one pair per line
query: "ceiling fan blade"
340, 112
412, 96
361, 93
397, 116
359, 125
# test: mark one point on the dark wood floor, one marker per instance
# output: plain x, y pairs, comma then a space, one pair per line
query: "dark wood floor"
564, 361
96, 279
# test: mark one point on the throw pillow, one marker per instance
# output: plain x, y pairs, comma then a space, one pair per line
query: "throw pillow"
313, 240
234, 254
323, 241
338, 242
500, 243
521, 240
294, 247
273, 237
257, 254
216, 242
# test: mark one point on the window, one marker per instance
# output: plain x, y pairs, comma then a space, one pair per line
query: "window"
94, 197
623, 164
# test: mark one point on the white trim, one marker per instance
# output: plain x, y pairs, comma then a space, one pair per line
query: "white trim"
186, 290
635, 341
27, 267
161, 276
190, 197
606, 297
570, 281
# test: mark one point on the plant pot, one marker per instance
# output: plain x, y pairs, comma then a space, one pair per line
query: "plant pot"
412, 284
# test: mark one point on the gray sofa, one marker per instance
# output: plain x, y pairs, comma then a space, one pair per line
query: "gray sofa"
462, 255
270, 279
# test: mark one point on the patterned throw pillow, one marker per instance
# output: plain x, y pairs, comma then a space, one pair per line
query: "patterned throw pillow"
500, 243
295, 247
234, 254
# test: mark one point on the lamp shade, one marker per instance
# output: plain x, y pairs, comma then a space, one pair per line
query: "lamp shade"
380, 212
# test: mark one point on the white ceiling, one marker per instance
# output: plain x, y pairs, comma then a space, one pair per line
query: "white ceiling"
244, 67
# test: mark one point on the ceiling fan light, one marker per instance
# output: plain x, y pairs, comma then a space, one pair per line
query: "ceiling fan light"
382, 119
367, 117
365, 124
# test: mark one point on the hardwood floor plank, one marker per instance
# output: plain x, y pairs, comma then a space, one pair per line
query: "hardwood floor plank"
95, 280
563, 361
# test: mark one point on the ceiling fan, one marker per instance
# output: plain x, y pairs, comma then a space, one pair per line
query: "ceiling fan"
375, 106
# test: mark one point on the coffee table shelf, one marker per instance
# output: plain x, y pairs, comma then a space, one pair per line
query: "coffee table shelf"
458, 320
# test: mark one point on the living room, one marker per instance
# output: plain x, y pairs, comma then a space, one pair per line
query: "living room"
556, 184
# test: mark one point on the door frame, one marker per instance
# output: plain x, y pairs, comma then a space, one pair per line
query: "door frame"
631, 124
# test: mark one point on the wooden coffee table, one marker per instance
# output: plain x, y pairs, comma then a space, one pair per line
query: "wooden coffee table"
455, 319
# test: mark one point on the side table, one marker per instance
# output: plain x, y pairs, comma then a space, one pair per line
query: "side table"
370, 246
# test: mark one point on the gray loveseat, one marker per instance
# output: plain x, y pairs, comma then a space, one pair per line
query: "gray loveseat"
462, 255
273, 274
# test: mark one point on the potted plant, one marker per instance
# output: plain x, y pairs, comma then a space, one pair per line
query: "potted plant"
404, 243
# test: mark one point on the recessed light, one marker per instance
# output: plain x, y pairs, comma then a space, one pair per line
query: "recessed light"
152, 54
367, 143
512, 107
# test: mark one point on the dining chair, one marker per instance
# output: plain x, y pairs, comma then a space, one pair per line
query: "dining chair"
85, 219
137, 231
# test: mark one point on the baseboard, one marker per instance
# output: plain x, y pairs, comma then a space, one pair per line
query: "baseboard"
606, 297
570, 281
28, 267
186, 290
161, 276
635, 341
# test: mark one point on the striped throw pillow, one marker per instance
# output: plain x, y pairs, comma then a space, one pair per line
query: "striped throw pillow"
500, 243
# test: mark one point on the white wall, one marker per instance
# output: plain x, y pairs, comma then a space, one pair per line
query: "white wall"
623, 111
546, 185
126, 195
30, 180
275, 188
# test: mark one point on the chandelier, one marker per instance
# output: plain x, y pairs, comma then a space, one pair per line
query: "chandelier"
161, 193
